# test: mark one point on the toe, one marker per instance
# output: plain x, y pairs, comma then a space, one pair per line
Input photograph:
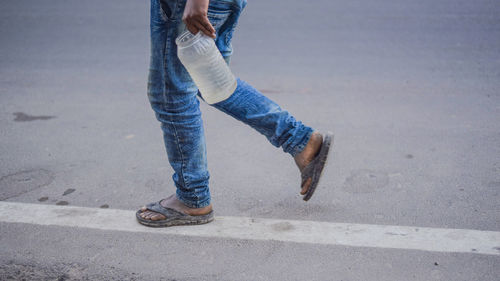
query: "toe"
157, 217
305, 187
148, 215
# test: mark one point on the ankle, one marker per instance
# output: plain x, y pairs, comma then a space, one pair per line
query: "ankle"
198, 211
310, 150
173, 202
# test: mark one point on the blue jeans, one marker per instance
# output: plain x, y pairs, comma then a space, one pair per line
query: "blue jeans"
174, 99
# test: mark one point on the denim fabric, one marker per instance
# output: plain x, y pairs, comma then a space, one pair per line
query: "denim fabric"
174, 99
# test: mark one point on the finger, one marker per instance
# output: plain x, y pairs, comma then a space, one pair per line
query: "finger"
208, 26
192, 28
204, 30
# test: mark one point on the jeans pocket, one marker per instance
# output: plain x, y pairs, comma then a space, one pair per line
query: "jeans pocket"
168, 9
218, 13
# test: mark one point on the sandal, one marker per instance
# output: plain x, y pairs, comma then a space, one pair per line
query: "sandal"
315, 168
173, 217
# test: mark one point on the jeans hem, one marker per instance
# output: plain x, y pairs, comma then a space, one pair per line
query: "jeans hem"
193, 204
300, 147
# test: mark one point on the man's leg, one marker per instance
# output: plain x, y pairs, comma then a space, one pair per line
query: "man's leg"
173, 97
248, 105
251, 107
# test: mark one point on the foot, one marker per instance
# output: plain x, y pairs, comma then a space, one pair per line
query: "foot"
173, 203
307, 155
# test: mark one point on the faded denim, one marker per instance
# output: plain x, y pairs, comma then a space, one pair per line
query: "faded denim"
174, 99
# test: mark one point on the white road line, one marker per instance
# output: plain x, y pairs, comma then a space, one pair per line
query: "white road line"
343, 234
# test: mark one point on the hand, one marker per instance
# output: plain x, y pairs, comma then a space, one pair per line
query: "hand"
196, 19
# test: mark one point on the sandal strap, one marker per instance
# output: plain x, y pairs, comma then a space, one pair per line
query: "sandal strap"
167, 212
308, 172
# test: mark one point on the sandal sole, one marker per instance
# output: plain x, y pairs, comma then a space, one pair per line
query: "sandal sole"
188, 220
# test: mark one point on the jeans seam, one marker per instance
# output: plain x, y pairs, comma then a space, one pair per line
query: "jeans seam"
165, 101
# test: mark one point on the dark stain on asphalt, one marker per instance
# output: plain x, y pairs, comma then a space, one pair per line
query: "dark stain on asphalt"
69, 191
43, 199
62, 203
104, 206
18, 183
63, 277
23, 117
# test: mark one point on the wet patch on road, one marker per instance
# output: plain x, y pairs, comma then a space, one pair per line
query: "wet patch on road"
18, 183
365, 181
68, 191
23, 117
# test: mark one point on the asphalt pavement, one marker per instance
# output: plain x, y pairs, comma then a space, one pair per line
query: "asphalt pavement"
411, 90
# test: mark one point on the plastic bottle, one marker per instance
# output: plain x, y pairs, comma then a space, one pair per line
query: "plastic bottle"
205, 64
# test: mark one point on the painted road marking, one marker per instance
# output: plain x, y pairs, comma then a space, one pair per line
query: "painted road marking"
328, 233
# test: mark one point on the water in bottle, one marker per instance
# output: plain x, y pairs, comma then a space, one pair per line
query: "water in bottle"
209, 71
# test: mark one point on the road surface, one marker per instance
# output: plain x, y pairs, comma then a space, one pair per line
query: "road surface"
409, 88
